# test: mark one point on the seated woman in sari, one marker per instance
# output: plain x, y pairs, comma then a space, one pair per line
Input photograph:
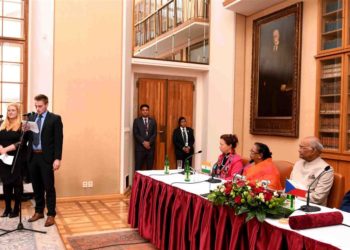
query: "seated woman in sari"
262, 167
229, 163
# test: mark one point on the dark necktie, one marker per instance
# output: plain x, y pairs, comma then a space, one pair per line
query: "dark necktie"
184, 136
36, 135
146, 125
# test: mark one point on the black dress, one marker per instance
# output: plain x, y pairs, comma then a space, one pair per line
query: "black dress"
7, 138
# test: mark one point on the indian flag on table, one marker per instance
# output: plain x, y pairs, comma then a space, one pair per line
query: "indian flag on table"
295, 188
206, 167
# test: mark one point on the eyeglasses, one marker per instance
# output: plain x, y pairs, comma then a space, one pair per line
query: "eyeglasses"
253, 152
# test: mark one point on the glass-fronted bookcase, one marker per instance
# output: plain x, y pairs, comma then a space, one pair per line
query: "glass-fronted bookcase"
332, 13
329, 125
333, 83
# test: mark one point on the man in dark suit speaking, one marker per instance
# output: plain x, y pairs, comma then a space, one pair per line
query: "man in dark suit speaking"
145, 133
44, 157
183, 140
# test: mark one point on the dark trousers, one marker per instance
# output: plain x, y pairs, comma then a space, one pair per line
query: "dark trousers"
15, 188
43, 182
144, 158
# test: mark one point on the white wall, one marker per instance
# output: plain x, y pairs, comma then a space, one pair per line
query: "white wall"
213, 104
40, 50
220, 78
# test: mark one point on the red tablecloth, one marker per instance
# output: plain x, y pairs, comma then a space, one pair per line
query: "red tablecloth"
171, 218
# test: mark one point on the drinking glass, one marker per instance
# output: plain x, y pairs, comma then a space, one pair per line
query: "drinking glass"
179, 164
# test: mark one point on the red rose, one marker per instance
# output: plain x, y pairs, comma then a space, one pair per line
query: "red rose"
238, 200
240, 183
258, 190
228, 187
267, 196
252, 185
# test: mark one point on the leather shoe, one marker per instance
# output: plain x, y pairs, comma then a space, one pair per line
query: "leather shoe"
50, 221
5, 213
36, 217
13, 214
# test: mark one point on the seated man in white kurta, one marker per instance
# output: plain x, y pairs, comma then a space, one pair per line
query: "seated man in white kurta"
309, 167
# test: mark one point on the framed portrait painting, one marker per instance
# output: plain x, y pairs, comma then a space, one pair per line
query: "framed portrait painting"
276, 73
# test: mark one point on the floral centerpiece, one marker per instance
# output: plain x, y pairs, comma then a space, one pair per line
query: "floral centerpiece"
250, 198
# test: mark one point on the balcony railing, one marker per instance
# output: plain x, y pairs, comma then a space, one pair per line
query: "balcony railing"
153, 18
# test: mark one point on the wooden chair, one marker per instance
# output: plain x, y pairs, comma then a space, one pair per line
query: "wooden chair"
336, 194
285, 168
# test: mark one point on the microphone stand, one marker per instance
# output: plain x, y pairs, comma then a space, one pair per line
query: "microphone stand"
20, 226
307, 207
211, 179
192, 171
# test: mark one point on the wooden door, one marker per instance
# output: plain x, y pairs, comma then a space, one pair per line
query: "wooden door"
180, 103
153, 93
168, 100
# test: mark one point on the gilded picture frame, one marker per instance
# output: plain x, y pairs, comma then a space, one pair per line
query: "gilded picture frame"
276, 63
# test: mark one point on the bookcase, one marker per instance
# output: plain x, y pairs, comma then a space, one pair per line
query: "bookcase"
333, 82
330, 102
332, 24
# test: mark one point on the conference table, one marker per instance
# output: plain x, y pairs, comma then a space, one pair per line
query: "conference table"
172, 214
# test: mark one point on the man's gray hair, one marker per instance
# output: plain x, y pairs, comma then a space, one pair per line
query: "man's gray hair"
315, 143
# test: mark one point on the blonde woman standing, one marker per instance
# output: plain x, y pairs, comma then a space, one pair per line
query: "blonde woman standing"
10, 133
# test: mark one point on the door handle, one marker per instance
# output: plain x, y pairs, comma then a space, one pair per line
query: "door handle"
162, 133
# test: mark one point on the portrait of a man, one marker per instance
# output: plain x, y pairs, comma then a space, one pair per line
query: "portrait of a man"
276, 72
276, 67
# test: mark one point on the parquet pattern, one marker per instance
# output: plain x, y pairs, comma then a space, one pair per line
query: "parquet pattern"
79, 217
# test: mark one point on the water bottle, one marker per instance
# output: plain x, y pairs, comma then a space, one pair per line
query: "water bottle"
166, 165
291, 199
187, 171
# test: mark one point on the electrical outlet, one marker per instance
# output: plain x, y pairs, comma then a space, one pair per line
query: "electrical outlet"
90, 184
85, 184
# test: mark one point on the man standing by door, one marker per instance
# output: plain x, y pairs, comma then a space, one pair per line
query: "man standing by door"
183, 140
145, 133
44, 157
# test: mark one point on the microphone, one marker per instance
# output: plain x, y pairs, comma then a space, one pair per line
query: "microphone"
211, 179
1, 116
188, 157
307, 207
29, 114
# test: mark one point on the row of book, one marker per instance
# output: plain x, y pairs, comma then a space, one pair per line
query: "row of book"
332, 25
329, 107
329, 142
332, 6
330, 88
331, 70
330, 123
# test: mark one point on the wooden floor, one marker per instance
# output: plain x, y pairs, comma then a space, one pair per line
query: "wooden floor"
76, 217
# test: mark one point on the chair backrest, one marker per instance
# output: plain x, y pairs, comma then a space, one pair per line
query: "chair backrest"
337, 191
245, 161
285, 168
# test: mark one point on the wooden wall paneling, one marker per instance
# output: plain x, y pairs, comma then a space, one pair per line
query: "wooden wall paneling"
153, 92
180, 103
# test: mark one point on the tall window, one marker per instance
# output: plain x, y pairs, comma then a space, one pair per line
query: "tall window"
13, 53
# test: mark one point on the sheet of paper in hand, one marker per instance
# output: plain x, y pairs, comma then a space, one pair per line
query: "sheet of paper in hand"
7, 159
32, 126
